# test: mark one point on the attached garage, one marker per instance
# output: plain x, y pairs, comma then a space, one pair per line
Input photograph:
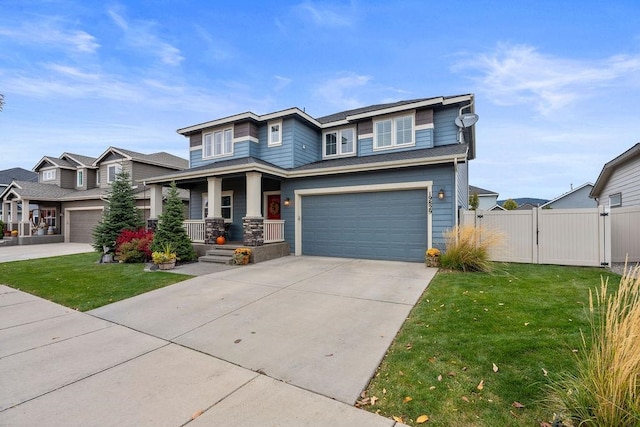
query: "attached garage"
80, 224
369, 222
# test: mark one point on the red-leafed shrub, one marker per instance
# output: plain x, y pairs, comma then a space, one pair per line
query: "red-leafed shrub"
134, 245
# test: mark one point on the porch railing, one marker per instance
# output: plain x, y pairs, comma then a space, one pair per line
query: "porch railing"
195, 229
273, 230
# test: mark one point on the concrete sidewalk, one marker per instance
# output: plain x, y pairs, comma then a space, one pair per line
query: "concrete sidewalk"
289, 342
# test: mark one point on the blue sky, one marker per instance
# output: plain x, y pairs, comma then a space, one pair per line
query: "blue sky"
557, 83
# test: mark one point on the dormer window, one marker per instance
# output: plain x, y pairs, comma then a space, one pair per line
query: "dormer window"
113, 171
49, 175
393, 132
218, 143
275, 133
338, 143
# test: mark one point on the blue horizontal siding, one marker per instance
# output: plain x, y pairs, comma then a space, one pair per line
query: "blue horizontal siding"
446, 131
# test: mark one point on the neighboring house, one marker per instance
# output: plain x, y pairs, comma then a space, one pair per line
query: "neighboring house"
9, 175
488, 200
379, 182
619, 181
577, 198
70, 190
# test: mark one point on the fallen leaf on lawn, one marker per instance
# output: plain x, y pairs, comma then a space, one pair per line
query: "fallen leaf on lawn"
384, 391
409, 346
465, 398
432, 387
464, 368
481, 385
422, 419
544, 371
400, 373
439, 377
545, 424
574, 350
374, 399
407, 399
451, 374
513, 414
486, 309
432, 359
517, 405
495, 368
526, 323
363, 394
196, 414
397, 419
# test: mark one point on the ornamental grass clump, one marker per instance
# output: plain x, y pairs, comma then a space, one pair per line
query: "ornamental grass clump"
605, 390
467, 248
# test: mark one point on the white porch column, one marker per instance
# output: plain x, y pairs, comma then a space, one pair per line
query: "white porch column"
214, 190
14, 212
254, 191
25, 226
5, 212
155, 201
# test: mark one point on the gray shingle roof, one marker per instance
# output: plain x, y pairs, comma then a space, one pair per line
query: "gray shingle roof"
425, 153
480, 191
161, 158
84, 160
34, 190
17, 174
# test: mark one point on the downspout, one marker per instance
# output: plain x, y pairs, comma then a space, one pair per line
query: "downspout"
455, 184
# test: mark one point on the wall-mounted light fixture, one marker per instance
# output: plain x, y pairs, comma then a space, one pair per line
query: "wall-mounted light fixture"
287, 201
441, 194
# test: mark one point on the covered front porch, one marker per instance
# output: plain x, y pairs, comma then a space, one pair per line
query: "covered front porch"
242, 207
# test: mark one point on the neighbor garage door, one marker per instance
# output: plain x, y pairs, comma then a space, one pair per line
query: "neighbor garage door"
81, 225
389, 225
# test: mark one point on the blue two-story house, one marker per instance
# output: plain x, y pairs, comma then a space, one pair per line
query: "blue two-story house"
378, 182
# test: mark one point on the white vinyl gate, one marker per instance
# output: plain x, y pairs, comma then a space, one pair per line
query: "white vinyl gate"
548, 236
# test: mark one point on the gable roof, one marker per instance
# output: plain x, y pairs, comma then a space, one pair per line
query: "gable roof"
13, 174
159, 159
568, 193
82, 160
481, 191
610, 167
55, 161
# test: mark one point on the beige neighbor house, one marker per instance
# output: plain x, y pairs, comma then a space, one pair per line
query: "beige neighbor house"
618, 184
71, 191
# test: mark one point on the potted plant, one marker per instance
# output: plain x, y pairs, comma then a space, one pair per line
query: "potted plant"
165, 259
432, 257
2, 227
241, 256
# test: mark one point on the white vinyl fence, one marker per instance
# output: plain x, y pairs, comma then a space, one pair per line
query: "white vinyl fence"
549, 236
625, 234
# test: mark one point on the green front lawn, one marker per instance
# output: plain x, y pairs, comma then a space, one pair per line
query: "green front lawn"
77, 281
525, 319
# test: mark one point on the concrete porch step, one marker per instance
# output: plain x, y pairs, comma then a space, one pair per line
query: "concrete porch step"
218, 259
222, 254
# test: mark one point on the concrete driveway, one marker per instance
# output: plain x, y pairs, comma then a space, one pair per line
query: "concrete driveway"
292, 341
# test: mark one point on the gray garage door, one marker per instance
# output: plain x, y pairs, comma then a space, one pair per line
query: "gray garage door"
389, 225
81, 224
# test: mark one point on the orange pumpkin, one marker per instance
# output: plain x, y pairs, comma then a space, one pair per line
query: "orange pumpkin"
220, 240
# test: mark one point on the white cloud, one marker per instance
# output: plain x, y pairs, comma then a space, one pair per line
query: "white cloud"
340, 91
325, 16
521, 74
49, 32
142, 36
281, 82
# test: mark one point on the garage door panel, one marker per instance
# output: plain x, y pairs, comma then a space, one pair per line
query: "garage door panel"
82, 223
382, 225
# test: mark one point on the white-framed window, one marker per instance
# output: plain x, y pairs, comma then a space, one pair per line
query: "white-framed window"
393, 132
98, 178
49, 175
615, 200
338, 142
226, 205
113, 171
80, 178
274, 130
218, 143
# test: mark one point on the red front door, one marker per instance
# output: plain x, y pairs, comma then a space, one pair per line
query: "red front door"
273, 206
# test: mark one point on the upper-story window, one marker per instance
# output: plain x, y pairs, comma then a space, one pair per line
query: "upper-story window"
80, 178
338, 142
275, 133
393, 132
113, 171
49, 175
218, 143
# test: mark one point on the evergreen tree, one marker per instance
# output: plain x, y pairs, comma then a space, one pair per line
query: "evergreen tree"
170, 229
119, 214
